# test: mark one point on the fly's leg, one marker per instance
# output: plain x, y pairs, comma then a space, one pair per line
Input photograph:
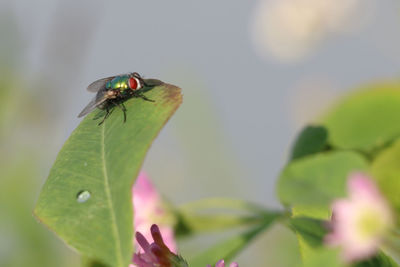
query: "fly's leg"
142, 96
122, 107
124, 111
108, 112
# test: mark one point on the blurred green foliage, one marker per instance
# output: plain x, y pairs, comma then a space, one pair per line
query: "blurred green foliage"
314, 181
24, 241
312, 139
229, 248
366, 119
27, 125
362, 129
386, 170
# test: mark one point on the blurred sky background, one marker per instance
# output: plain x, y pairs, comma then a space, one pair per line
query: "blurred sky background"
252, 73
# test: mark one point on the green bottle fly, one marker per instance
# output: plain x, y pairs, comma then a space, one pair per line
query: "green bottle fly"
113, 91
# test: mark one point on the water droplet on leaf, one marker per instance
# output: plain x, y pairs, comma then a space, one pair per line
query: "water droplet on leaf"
83, 196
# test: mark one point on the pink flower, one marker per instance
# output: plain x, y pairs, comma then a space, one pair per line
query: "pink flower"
153, 222
360, 222
149, 209
221, 263
156, 254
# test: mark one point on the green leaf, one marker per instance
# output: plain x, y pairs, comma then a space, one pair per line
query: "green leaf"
213, 214
194, 223
381, 260
310, 233
311, 140
190, 224
324, 257
85, 262
311, 230
365, 120
316, 180
392, 244
329, 257
386, 170
104, 161
229, 248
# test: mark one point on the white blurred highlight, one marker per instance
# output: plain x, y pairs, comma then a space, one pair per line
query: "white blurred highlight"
289, 29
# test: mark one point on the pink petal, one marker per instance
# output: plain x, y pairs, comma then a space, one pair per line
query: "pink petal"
142, 241
220, 263
360, 184
347, 214
148, 209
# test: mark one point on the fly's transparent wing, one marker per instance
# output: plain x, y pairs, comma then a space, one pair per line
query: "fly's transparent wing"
96, 101
99, 84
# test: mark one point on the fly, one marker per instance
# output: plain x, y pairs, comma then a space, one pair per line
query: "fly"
113, 92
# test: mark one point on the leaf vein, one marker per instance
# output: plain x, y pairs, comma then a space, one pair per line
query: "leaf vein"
109, 200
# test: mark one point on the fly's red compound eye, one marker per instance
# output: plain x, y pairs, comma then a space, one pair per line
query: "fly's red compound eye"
134, 83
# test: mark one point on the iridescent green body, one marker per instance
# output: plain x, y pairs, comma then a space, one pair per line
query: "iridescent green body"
119, 83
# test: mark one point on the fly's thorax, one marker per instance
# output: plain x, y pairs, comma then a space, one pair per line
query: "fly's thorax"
118, 83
